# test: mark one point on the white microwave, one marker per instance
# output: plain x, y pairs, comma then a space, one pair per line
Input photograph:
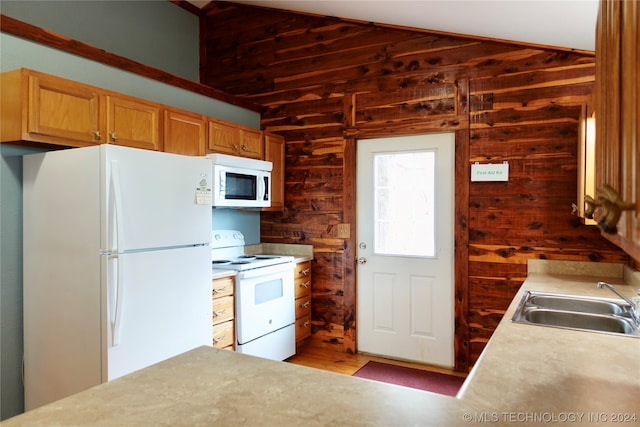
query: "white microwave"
239, 182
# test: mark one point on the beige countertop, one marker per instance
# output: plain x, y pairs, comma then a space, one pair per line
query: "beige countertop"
528, 368
300, 253
527, 375
207, 387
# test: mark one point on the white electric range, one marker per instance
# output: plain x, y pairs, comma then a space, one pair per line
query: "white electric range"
265, 309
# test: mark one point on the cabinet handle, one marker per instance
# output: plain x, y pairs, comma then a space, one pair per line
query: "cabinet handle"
305, 304
218, 291
96, 134
305, 284
235, 147
611, 207
113, 136
244, 148
218, 313
305, 271
216, 341
305, 324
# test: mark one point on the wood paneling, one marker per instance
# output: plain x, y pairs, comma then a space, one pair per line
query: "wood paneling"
327, 82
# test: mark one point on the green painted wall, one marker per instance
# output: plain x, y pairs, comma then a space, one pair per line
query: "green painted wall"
152, 32
11, 278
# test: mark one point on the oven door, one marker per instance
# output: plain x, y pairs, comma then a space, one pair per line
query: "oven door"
264, 301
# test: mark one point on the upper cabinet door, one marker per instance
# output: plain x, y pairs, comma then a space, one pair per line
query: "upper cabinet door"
274, 153
251, 143
617, 115
60, 111
236, 140
184, 133
223, 138
133, 123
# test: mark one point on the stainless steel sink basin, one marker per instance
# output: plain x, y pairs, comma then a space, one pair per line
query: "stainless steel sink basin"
601, 315
583, 305
592, 322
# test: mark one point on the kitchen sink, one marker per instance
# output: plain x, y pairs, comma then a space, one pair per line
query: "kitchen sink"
584, 305
567, 319
601, 315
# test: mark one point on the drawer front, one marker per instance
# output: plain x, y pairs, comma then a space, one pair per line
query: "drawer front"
303, 306
223, 334
222, 309
303, 327
303, 287
302, 269
222, 287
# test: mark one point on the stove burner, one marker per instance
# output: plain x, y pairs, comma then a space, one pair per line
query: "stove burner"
220, 261
247, 257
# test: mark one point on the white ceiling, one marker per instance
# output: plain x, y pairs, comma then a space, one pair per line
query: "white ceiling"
559, 23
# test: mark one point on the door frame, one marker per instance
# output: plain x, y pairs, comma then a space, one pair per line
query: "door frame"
462, 173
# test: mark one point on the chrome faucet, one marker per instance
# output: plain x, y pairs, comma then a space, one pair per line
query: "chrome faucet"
633, 309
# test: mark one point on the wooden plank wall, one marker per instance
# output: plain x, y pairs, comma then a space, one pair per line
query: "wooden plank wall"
327, 82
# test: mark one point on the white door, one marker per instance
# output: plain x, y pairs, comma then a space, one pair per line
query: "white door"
405, 200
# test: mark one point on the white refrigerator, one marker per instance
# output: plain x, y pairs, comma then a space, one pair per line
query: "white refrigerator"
117, 264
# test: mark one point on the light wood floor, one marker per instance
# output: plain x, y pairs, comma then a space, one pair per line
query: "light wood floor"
316, 356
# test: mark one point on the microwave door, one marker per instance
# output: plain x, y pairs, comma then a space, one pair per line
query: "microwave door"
241, 186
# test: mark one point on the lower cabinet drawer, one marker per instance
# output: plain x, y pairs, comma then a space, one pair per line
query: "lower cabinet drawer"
303, 306
303, 327
302, 286
222, 287
222, 309
223, 334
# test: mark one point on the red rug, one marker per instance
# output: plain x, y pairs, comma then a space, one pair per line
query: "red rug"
408, 377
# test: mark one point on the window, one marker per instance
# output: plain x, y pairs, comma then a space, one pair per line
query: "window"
404, 194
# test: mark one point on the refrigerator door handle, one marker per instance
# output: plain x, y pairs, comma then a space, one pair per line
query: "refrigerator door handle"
119, 243
116, 191
116, 308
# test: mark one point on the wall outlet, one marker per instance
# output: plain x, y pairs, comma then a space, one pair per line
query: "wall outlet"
344, 231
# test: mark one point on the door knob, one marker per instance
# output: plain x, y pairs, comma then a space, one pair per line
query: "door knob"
361, 260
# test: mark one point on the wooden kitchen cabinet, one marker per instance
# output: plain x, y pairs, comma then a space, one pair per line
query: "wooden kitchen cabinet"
184, 132
236, 140
302, 281
223, 303
274, 153
41, 108
617, 114
133, 123
251, 143
38, 107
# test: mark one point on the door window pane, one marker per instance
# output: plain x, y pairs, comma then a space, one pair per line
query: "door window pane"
404, 210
